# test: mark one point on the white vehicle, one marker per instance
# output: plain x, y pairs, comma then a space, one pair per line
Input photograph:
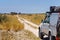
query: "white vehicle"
50, 27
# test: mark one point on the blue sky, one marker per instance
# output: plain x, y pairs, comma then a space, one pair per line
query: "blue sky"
27, 6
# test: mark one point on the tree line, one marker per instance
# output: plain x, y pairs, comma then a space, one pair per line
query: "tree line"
11, 13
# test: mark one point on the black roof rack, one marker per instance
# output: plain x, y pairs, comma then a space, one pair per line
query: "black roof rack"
54, 9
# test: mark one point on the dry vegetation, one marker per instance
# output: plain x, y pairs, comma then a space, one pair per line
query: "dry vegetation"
11, 23
21, 35
35, 18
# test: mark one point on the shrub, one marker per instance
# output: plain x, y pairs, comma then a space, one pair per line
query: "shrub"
3, 18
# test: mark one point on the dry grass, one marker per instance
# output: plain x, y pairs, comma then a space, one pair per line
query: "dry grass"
14, 24
35, 18
23, 35
11, 24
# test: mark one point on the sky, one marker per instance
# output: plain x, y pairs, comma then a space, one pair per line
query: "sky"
27, 6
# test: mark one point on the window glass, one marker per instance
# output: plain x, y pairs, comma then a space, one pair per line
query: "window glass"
54, 18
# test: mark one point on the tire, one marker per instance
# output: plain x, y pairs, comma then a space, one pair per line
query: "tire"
49, 35
41, 35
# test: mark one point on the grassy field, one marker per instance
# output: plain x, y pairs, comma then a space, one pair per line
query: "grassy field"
11, 24
35, 18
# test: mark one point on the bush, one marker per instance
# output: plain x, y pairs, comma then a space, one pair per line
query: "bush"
3, 18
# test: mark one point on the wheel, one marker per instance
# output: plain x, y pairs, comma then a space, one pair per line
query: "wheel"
49, 35
41, 35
